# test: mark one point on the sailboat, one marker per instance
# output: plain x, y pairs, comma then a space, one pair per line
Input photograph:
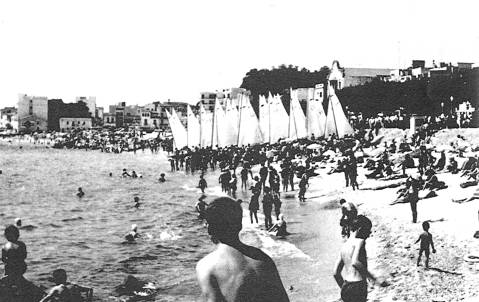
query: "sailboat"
336, 121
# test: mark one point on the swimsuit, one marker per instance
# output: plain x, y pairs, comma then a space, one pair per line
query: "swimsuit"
356, 291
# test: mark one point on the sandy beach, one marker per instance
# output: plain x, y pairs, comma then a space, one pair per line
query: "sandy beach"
307, 275
391, 249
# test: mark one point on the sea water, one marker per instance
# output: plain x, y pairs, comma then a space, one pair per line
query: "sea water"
85, 236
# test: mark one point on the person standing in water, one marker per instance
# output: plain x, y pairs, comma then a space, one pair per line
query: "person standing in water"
235, 271
14, 253
80, 193
202, 183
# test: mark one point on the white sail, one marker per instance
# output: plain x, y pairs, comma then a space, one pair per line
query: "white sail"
193, 129
264, 117
178, 130
297, 121
231, 128
223, 132
249, 130
336, 121
316, 118
278, 119
206, 126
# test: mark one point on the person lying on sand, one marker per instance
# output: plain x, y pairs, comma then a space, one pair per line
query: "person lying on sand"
475, 195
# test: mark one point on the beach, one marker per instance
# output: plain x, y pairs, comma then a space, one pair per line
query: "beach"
305, 259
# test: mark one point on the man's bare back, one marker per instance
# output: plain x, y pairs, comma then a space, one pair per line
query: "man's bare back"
234, 271
244, 274
353, 252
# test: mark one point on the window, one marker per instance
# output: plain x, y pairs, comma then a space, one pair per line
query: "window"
145, 122
68, 122
30, 110
83, 122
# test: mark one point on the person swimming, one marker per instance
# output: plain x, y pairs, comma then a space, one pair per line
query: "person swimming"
133, 234
80, 193
18, 224
133, 174
66, 291
201, 207
125, 173
137, 202
162, 177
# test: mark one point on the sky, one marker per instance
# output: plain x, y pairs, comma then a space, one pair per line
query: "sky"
143, 51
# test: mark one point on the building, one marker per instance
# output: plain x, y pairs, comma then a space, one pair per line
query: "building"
57, 109
126, 116
9, 118
99, 113
90, 103
340, 78
150, 119
181, 110
73, 123
32, 113
208, 99
109, 120
42, 114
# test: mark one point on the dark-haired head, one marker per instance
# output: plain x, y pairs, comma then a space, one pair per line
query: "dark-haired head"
342, 201
224, 216
59, 276
362, 226
11, 233
425, 226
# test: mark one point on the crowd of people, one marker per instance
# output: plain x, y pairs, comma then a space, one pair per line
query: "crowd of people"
280, 166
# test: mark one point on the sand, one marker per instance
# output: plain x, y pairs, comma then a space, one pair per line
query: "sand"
391, 249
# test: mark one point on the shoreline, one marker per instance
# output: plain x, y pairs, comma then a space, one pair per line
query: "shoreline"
391, 249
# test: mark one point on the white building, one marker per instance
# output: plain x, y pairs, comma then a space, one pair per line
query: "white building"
71, 123
9, 118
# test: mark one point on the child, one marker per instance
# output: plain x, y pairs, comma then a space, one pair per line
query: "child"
162, 177
426, 240
14, 253
202, 184
65, 291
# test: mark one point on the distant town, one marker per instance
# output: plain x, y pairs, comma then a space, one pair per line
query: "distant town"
41, 113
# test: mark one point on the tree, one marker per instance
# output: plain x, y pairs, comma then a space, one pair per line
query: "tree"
279, 80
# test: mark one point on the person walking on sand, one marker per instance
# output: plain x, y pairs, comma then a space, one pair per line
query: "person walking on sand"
351, 270
303, 184
349, 213
267, 207
254, 207
412, 188
426, 241
235, 271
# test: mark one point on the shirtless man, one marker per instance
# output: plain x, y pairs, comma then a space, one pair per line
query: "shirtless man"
351, 270
235, 271
65, 291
